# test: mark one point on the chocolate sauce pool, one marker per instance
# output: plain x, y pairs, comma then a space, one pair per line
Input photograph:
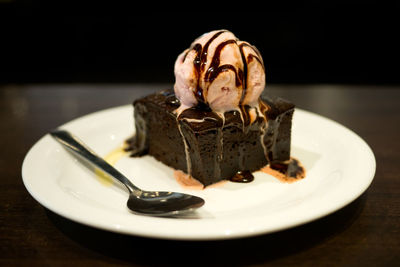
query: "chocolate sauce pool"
287, 172
242, 177
291, 169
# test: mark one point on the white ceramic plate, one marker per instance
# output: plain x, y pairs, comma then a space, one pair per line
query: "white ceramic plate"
340, 167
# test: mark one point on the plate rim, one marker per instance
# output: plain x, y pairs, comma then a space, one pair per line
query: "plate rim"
235, 230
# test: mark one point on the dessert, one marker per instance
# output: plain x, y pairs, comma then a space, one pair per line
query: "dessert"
215, 125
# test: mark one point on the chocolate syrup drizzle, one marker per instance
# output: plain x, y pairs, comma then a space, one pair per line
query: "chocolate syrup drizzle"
200, 61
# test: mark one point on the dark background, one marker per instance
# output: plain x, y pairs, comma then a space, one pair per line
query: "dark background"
310, 43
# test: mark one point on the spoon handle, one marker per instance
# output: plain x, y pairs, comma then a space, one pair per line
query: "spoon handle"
75, 145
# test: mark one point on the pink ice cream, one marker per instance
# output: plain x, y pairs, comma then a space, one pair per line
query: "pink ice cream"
220, 71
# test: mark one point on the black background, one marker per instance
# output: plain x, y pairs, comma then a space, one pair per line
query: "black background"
310, 43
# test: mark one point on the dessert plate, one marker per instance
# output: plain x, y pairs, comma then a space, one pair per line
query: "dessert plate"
339, 167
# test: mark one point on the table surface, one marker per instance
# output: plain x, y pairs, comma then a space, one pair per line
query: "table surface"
364, 233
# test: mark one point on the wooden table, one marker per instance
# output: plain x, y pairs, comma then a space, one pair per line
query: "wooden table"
364, 233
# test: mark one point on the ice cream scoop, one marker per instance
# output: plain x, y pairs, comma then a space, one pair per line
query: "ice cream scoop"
220, 71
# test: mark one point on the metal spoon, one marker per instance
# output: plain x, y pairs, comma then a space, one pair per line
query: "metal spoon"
155, 203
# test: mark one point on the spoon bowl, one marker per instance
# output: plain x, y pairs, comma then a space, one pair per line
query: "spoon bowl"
153, 203
163, 203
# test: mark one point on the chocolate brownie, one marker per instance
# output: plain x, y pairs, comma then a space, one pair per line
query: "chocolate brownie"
209, 146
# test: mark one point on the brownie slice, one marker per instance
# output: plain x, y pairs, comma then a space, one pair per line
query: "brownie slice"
207, 146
